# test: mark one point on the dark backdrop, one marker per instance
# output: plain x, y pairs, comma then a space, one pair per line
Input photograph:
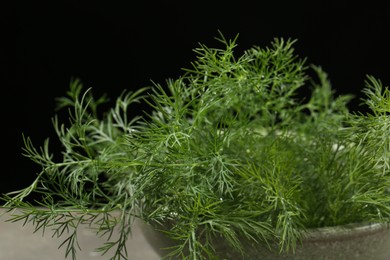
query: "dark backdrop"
113, 46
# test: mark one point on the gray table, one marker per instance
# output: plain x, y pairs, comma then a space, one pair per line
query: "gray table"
18, 242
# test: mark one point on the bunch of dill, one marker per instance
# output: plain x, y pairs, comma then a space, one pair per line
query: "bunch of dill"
234, 149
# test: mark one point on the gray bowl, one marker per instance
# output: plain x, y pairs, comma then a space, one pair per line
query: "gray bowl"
355, 241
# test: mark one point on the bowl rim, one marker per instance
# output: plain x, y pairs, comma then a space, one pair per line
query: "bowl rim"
346, 231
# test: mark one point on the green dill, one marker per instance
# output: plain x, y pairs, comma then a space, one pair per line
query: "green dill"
231, 150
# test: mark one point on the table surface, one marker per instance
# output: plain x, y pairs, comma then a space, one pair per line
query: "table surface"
18, 242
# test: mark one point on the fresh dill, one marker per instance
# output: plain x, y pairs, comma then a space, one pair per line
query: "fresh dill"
230, 150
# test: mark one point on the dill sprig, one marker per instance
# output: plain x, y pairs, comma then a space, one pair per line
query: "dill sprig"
229, 150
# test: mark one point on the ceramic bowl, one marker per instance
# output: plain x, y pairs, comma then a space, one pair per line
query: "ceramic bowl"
355, 241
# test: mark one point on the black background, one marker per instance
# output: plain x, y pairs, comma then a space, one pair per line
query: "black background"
113, 45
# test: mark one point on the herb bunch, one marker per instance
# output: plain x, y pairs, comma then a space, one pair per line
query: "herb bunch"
253, 148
